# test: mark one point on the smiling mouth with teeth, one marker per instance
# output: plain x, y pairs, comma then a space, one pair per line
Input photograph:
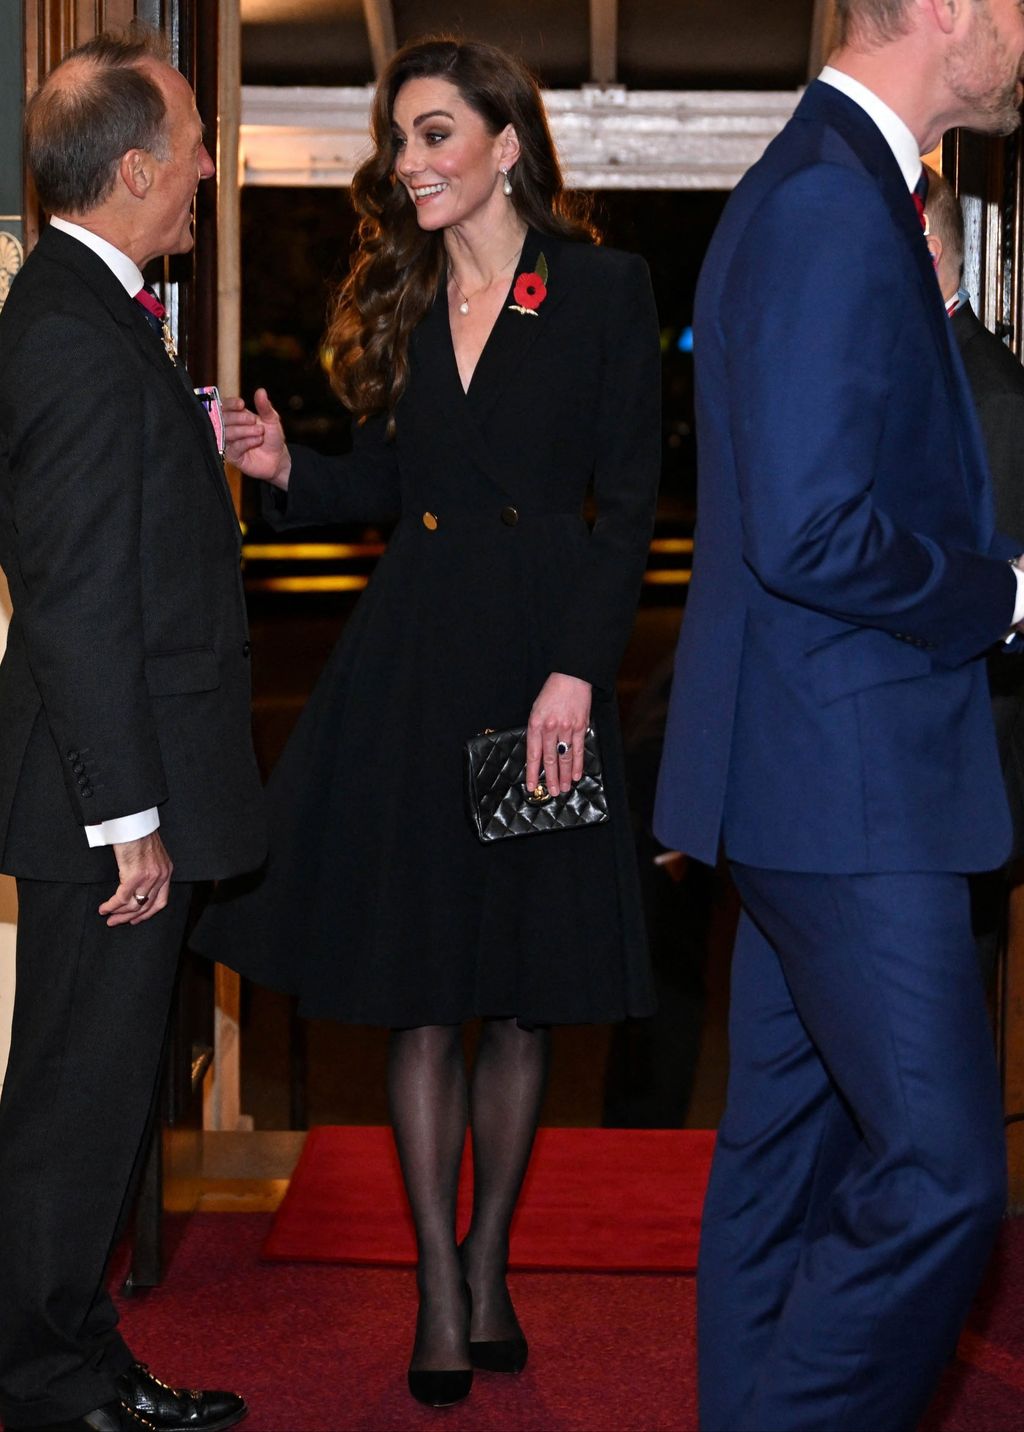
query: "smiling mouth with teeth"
427, 190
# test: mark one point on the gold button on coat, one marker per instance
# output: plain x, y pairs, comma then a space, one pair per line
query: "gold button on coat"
509, 516
430, 521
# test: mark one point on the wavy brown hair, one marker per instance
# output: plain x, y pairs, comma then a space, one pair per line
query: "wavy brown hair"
398, 266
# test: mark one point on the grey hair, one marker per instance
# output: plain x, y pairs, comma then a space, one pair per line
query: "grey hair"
91, 109
946, 218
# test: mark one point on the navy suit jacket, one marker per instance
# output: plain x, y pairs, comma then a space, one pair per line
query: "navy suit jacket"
830, 710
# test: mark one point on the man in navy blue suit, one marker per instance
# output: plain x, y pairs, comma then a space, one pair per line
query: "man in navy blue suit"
830, 727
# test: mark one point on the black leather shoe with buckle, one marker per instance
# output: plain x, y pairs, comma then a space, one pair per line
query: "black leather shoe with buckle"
178, 1409
111, 1417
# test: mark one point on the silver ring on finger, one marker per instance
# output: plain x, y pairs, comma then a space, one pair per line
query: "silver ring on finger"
563, 748
141, 899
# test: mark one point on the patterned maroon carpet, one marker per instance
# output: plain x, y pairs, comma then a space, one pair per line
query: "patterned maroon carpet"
595, 1200
317, 1348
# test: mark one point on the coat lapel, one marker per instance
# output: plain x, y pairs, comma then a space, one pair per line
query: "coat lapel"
506, 356
505, 359
179, 384
65, 250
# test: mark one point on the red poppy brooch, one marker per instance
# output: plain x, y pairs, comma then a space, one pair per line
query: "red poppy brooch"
531, 289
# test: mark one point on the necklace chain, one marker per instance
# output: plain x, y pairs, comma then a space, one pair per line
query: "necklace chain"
464, 305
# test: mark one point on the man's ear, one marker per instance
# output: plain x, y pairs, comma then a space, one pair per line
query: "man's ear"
945, 14
935, 249
136, 172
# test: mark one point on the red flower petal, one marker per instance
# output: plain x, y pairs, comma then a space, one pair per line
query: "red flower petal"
529, 291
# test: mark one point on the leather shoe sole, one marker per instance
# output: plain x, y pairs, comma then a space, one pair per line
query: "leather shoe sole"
111, 1417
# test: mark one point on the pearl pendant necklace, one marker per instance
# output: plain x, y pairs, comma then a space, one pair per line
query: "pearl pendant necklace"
464, 305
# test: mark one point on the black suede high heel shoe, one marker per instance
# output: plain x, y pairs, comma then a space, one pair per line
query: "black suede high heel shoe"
445, 1387
502, 1355
440, 1389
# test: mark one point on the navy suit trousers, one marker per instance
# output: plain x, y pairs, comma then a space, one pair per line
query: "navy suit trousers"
859, 1176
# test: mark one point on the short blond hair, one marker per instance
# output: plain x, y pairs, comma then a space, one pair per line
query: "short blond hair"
875, 21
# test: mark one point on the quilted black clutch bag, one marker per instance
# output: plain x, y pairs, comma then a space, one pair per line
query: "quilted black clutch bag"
499, 802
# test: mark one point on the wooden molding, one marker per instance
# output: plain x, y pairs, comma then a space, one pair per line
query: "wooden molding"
380, 27
604, 41
823, 29
607, 138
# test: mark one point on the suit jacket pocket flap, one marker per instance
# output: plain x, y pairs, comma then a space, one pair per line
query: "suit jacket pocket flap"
860, 659
175, 673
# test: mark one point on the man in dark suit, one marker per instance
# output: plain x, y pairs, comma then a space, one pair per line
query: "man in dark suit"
830, 725
126, 767
996, 379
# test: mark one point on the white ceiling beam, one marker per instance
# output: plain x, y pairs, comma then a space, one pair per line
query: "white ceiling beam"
380, 26
604, 42
822, 35
606, 138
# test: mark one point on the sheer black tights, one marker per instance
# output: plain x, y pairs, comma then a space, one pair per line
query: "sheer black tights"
430, 1104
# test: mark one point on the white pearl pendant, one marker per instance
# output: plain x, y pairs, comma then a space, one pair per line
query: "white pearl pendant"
464, 306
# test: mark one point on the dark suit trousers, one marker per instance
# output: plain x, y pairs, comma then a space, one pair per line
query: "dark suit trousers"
859, 1176
90, 1013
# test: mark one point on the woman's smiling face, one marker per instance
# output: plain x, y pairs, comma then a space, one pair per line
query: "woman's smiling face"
445, 156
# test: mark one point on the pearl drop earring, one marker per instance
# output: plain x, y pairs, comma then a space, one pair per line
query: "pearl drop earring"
507, 186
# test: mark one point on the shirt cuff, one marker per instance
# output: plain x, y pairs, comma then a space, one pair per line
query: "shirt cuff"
129, 827
1018, 606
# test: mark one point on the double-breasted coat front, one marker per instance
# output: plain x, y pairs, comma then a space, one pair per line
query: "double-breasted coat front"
378, 904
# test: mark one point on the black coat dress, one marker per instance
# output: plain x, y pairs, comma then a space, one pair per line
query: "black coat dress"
378, 904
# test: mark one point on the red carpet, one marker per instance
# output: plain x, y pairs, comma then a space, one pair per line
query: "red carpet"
323, 1349
596, 1200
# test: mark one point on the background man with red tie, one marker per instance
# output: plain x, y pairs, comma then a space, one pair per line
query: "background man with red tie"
830, 726
126, 766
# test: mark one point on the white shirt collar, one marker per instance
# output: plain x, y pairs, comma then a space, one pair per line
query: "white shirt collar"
894, 131
124, 269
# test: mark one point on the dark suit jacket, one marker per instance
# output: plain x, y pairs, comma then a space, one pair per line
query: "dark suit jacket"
125, 684
997, 383
830, 709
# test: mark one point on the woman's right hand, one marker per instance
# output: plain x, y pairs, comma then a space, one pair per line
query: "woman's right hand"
254, 442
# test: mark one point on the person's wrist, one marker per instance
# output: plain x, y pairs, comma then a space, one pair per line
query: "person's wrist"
284, 471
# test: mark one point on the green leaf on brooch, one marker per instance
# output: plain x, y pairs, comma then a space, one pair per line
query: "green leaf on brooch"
542, 269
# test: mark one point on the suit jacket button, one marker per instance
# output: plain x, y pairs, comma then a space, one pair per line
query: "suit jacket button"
246, 648
509, 516
78, 768
430, 521
72, 755
86, 792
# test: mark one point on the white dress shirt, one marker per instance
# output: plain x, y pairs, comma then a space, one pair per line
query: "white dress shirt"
128, 274
907, 155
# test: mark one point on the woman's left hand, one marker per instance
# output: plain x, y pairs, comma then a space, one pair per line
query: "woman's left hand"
555, 732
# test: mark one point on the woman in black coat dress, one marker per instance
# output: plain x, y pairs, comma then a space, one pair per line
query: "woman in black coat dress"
499, 364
